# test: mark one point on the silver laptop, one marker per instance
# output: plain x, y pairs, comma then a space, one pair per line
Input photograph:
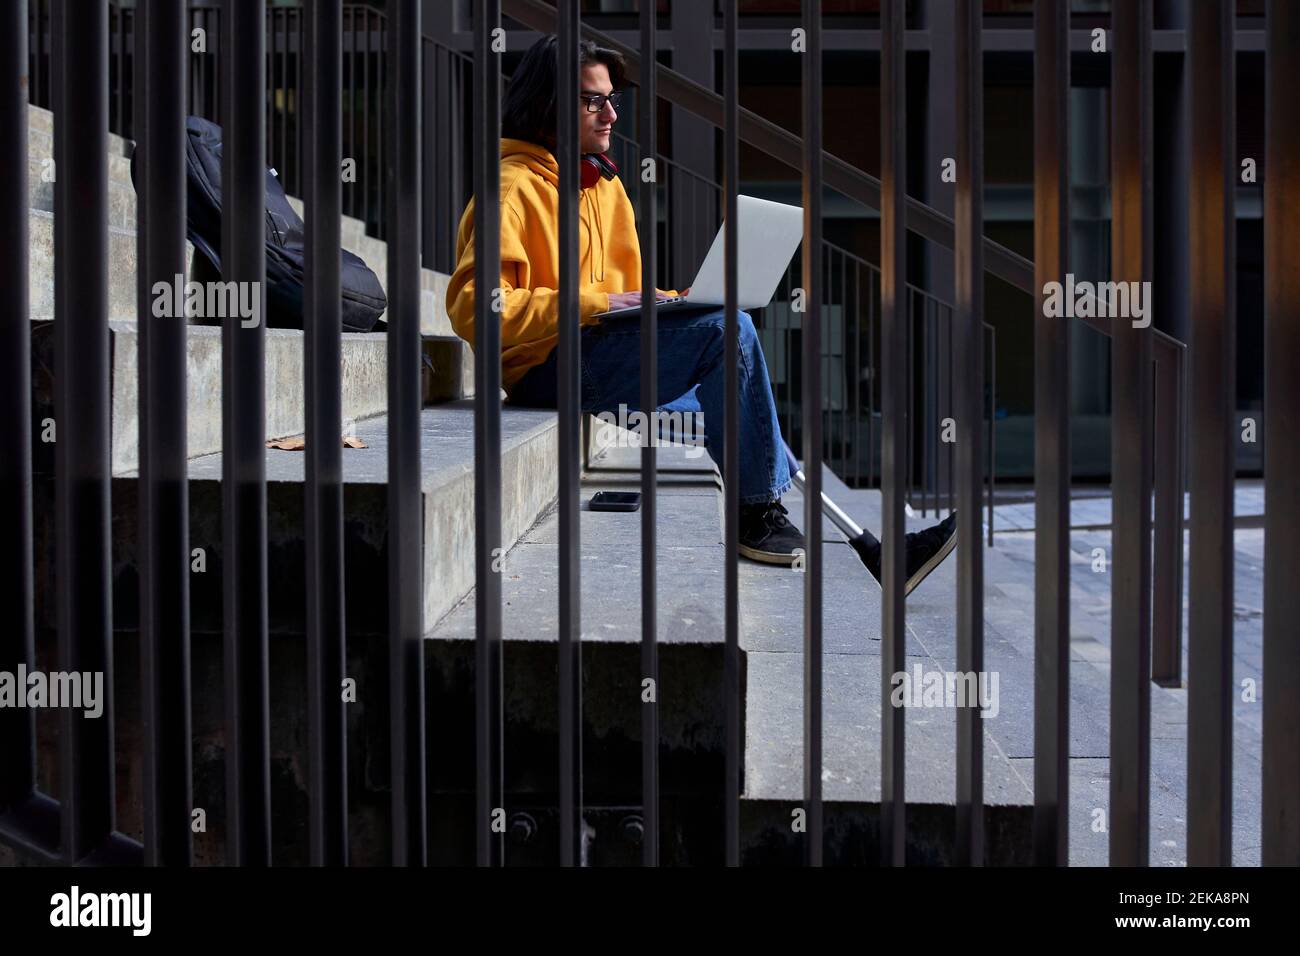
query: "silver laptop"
769, 233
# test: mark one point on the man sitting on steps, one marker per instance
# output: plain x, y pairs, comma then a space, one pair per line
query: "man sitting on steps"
691, 342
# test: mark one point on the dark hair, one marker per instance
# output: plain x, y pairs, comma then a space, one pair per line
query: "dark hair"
528, 111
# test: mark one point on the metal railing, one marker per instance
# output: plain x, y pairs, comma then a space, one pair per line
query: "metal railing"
852, 451
364, 60
80, 826
850, 309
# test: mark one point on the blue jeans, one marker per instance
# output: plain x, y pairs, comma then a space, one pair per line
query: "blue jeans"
690, 404
691, 368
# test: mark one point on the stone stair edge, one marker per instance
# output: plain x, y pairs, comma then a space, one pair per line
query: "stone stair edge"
353, 236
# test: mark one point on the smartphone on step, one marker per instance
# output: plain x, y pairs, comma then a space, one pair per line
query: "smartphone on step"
616, 501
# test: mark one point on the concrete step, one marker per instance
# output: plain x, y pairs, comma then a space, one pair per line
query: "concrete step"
122, 240
40, 123
122, 264
528, 440
774, 745
374, 252
447, 376
41, 170
447, 441
529, 451
42, 120
690, 604
352, 231
364, 384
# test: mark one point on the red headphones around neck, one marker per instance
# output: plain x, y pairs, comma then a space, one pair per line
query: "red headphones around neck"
594, 166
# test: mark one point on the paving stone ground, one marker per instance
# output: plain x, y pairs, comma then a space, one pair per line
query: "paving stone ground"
691, 610
1008, 612
1009, 602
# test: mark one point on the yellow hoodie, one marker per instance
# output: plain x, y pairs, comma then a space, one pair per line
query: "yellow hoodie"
530, 262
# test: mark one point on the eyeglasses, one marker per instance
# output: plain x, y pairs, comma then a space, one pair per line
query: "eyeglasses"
596, 101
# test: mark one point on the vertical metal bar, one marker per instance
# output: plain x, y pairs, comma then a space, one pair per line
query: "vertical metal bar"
136, 107
930, 397
435, 155
489, 740
322, 48
431, 79
570, 409
191, 67
872, 293
648, 140
950, 394
197, 104
1131, 261
1051, 435
269, 92
943, 394
243, 465
929, 316
842, 361
1214, 442
30, 9
117, 23
787, 336
812, 427
217, 85
284, 96
938, 450
1167, 543
993, 411
350, 104
365, 87
81, 403
159, 108
1281, 804
44, 40
382, 68
910, 370
919, 324
731, 417
1211, 48
857, 374
17, 589
285, 51
893, 428
941, 399
405, 500
298, 106
968, 393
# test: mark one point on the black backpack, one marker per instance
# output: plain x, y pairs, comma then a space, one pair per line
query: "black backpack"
363, 297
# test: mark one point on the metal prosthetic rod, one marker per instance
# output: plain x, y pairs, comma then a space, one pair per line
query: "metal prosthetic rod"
863, 542
830, 508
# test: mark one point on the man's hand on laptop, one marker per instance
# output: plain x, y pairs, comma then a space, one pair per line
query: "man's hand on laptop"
622, 300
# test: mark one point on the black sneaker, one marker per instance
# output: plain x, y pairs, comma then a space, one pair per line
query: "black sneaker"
766, 535
923, 551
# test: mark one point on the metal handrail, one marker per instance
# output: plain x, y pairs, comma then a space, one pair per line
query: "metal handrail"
787, 147
927, 467
627, 146
783, 145
1168, 353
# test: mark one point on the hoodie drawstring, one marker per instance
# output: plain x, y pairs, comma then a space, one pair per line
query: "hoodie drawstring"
591, 239
595, 236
